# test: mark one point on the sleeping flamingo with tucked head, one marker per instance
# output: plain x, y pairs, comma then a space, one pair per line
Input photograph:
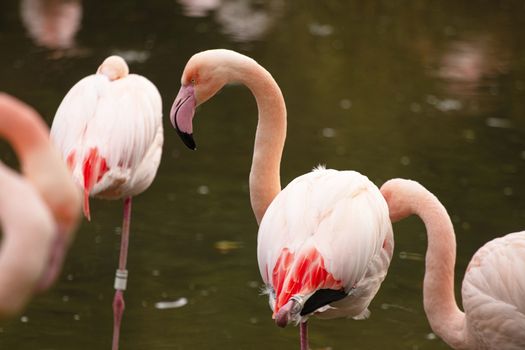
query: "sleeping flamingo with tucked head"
325, 241
493, 287
39, 211
109, 130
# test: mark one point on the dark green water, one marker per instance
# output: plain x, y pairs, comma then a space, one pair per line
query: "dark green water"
433, 91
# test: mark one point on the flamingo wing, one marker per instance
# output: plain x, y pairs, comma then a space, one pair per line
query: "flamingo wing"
494, 293
323, 231
106, 130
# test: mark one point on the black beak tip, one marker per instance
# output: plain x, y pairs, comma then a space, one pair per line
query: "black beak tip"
187, 139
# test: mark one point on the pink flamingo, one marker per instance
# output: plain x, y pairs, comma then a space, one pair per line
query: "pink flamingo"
39, 211
52, 23
325, 241
493, 288
109, 130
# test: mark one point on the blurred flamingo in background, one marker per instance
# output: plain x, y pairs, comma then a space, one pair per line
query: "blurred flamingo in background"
52, 23
39, 210
109, 130
493, 288
325, 241
242, 20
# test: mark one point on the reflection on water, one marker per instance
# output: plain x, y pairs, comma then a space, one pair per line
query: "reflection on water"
52, 23
242, 20
429, 91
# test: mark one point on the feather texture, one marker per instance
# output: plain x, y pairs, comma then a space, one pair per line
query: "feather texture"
326, 230
110, 132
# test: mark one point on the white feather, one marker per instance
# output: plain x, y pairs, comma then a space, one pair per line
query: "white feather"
344, 216
123, 120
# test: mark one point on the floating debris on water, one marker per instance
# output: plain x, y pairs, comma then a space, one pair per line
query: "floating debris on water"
322, 30
24, 319
204, 190
386, 306
411, 256
132, 56
345, 103
253, 284
65, 298
498, 123
155, 273
430, 336
328, 132
76, 317
508, 191
405, 160
469, 134
227, 246
415, 107
445, 105
162, 305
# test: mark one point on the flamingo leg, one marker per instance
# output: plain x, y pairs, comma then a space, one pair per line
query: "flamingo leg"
303, 334
121, 275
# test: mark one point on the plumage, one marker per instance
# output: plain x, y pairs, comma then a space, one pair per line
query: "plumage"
109, 131
493, 289
493, 293
333, 228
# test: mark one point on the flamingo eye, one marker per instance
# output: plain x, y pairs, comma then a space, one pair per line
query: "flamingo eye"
193, 81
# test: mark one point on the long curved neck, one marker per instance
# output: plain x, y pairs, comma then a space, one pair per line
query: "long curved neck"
21, 127
40, 162
26, 240
265, 182
444, 316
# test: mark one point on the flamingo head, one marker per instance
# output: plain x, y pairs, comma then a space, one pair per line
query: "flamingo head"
204, 75
399, 195
290, 312
114, 67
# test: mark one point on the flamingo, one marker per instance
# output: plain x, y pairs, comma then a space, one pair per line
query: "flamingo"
325, 241
109, 130
39, 211
493, 288
52, 23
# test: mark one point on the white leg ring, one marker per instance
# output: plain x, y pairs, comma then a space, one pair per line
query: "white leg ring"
121, 279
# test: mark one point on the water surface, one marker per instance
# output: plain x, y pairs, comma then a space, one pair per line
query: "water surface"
430, 91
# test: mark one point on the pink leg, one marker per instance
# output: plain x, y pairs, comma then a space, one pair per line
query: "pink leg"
122, 274
303, 333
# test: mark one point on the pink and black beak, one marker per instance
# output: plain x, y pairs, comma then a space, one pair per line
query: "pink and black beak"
289, 311
182, 113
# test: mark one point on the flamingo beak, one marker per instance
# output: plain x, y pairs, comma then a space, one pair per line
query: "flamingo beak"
287, 312
182, 113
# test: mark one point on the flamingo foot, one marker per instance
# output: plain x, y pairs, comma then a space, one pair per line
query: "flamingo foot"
118, 310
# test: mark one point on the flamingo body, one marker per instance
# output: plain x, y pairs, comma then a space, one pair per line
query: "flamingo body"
110, 133
493, 294
330, 230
